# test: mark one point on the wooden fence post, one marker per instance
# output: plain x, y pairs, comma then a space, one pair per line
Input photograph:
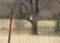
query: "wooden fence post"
10, 26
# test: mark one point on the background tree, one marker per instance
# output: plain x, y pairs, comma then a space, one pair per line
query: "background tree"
38, 9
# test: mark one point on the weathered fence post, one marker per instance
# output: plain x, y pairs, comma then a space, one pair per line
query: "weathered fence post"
10, 26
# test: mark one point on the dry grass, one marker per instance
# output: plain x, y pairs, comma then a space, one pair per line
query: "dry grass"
28, 38
23, 23
25, 38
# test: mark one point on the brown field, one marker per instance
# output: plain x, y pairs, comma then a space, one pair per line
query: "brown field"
41, 24
24, 38
45, 30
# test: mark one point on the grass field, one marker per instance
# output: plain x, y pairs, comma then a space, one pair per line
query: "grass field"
25, 38
4, 23
45, 31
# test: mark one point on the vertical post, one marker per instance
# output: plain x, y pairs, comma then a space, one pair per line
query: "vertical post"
10, 26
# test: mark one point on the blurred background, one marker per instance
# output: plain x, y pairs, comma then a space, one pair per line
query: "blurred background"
34, 21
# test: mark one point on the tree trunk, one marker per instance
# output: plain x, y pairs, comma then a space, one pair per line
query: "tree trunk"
34, 14
34, 27
57, 30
